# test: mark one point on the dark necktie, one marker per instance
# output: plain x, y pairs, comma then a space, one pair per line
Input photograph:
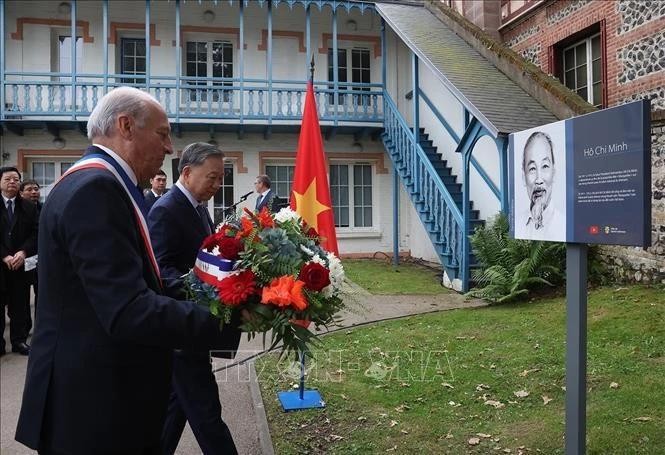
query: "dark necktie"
258, 201
203, 213
10, 211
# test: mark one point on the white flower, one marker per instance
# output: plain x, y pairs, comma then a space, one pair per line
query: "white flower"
317, 260
286, 214
307, 250
336, 271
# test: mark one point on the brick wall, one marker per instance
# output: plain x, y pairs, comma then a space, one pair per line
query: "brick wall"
635, 62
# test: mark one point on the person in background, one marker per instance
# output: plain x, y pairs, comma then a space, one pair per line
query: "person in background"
266, 195
178, 223
30, 191
18, 227
157, 188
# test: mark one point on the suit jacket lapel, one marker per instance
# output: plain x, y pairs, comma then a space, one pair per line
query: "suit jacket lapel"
181, 199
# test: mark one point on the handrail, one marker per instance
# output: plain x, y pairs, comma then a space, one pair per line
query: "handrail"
189, 97
453, 134
296, 82
425, 161
492, 186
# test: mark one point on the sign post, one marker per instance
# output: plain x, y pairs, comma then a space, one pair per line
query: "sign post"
585, 180
576, 300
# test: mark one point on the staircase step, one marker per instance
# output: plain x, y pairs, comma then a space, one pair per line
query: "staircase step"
448, 179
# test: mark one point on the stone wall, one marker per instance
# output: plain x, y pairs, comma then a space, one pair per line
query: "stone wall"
635, 54
636, 264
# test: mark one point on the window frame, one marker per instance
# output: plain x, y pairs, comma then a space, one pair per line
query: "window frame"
555, 57
58, 171
201, 94
587, 42
352, 204
343, 232
122, 56
218, 209
349, 69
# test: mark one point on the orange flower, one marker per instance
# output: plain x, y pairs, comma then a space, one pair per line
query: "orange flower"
285, 291
246, 227
265, 218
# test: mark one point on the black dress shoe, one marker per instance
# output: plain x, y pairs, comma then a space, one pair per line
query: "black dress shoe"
21, 348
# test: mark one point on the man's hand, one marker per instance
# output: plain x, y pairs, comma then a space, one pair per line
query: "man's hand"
17, 260
8, 261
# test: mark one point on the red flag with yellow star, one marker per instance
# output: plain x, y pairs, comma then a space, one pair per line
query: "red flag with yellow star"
310, 196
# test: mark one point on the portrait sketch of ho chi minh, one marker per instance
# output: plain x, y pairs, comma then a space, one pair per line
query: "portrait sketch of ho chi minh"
540, 183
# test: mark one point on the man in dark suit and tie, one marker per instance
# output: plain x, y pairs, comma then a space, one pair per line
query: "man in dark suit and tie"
99, 371
266, 195
18, 227
178, 223
157, 188
29, 191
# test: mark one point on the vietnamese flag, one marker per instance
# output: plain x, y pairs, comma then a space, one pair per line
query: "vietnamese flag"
310, 194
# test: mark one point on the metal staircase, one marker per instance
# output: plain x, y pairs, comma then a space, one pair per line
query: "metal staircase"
434, 191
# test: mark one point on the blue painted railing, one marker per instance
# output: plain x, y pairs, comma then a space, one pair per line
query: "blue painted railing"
437, 208
50, 95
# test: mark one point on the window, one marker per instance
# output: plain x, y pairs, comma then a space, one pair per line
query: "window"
132, 59
350, 191
209, 59
582, 69
224, 196
351, 194
360, 73
281, 176
46, 173
341, 73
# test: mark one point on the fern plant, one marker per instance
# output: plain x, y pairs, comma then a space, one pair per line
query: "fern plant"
509, 268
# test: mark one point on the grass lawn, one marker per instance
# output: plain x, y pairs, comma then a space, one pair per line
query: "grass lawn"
408, 278
480, 381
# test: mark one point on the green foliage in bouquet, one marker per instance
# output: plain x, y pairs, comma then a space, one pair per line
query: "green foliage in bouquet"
510, 267
281, 277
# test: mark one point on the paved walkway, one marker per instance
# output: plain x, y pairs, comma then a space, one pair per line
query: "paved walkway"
242, 406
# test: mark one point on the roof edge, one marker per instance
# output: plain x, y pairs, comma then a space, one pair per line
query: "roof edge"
545, 89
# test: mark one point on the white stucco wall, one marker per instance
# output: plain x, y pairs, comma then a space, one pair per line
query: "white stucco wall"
37, 52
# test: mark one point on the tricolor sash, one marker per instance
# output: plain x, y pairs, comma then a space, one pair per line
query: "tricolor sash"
100, 161
212, 269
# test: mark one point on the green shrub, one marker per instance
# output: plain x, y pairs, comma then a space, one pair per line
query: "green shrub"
509, 268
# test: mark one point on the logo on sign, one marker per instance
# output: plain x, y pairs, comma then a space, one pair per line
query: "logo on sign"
594, 230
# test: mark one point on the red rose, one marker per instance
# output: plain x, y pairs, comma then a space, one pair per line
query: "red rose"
315, 276
236, 289
229, 248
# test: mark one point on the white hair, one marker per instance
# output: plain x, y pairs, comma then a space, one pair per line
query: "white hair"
122, 100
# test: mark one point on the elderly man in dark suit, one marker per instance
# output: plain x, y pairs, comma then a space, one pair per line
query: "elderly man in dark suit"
179, 222
18, 227
99, 371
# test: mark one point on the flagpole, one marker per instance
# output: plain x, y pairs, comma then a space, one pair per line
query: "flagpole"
311, 70
306, 399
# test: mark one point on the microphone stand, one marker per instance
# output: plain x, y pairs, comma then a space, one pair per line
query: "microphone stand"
231, 208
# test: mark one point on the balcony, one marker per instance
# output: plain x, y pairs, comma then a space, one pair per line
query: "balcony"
219, 63
48, 96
